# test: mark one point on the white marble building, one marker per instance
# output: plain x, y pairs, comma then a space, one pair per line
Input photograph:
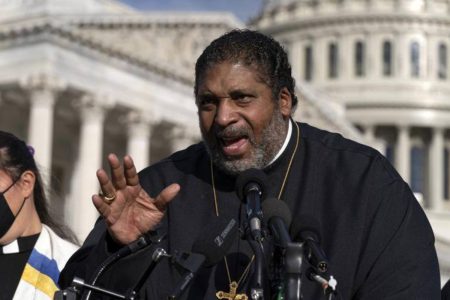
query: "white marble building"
80, 79
384, 66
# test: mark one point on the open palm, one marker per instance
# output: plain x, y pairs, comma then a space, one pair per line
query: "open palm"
132, 212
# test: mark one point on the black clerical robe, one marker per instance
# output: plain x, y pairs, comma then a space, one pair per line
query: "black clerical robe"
377, 238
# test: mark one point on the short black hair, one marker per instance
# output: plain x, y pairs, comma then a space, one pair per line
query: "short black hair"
251, 48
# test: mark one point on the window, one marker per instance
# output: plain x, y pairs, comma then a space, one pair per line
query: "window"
360, 59
387, 58
332, 60
442, 67
415, 59
308, 74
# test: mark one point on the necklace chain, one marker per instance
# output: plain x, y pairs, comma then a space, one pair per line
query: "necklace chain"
288, 170
216, 206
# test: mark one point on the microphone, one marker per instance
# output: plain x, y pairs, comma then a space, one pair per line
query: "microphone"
206, 251
278, 216
306, 230
250, 186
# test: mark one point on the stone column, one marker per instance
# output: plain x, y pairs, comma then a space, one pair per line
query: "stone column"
297, 57
369, 136
402, 57
432, 57
346, 57
403, 5
320, 59
403, 153
139, 134
374, 55
81, 212
42, 90
436, 169
346, 5
424, 62
184, 136
369, 132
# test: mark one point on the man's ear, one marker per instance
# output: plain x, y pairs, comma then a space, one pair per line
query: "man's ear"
285, 102
27, 182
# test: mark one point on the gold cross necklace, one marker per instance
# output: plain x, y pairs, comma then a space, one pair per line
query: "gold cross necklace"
234, 285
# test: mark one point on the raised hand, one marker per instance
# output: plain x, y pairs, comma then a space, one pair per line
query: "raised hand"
127, 209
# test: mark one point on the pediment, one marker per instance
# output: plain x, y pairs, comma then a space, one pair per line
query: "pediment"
51, 7
174, 47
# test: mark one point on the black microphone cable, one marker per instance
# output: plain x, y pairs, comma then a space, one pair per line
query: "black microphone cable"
142, 242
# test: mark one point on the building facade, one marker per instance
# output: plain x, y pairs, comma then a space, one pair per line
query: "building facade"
81, 79
384, 66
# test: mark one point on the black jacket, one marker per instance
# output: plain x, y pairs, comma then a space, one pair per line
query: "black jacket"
377, 238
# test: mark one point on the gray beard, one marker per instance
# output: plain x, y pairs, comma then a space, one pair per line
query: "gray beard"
272, 139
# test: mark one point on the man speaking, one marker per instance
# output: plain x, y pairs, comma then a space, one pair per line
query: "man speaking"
377, 239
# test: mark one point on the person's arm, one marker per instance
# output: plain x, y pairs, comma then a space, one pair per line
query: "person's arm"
130, 214
399, 260
97, 247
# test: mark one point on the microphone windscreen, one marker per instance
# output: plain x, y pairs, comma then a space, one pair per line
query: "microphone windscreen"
272, 207
216, 239
249, 176
306, 227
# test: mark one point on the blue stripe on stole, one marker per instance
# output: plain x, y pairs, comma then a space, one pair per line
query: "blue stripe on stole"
44, 265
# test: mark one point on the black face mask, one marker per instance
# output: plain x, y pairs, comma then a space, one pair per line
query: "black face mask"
7, 217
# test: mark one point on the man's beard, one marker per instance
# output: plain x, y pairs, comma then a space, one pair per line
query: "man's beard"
262, 153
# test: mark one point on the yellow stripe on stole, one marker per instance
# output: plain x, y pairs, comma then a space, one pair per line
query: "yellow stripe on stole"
41, 281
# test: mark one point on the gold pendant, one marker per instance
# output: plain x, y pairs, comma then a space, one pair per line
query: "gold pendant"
231, 295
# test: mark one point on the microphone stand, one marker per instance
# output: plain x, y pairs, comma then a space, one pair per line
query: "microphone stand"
255, 238
293, 271
257, 281
158, 254
78, 285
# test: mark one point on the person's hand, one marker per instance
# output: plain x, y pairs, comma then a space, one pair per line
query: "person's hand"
127, 209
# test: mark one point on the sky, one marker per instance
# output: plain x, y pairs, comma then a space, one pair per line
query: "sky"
243, 9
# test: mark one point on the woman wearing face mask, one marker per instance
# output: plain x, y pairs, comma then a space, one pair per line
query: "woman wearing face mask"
32, 248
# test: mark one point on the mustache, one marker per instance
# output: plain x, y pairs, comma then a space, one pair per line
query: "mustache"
232, 131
